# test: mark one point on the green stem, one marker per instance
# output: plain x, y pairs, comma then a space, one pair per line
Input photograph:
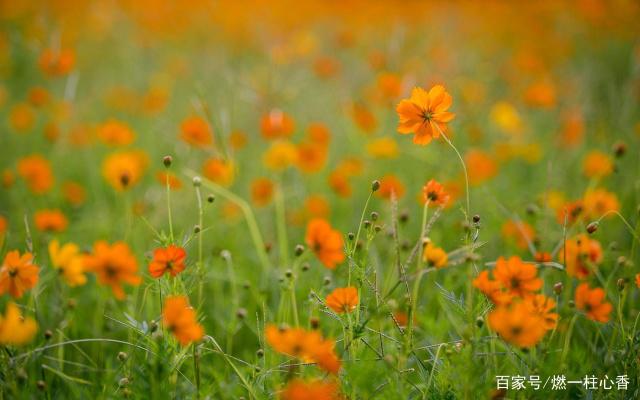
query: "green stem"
281, 227
169, 206
464, 168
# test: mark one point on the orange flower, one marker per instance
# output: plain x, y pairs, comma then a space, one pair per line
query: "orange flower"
276, 124
592, 302
308, 346
38, 96
17, 274
180, 319
169, 259
174, 182
339, 183
541, 94
22, 118
364, 118
115, 133
219, 171
280, 155
520, 279
36, 170
572, 130
14, 328
597, 165
73, 193
517, 324
316, 206
57, 63
520, 232
261, 191
597, 202
195, 131
580, 251
113, 265
434, 256
343, 300
390, 184
325, 242
572, 211
298, 389
542, 306
383, 148
389, 85
318, 134
425, 114
436, 195
50, 220
123, 170
237, 140
311, 156
492, 289
638, 280
480, 166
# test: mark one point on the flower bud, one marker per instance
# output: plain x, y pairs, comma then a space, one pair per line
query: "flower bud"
592, 227
167, 160
197, 181
375, 185
122, 356
558, 287
211, 198
299, 250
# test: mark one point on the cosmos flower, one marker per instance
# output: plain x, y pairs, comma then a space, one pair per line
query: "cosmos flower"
519, 278
434, 256
425, 114
36, 170
50, 220
195, 131
169, 260
114, 265
68, 261
308, 346
435, 193
343, 300
582, 254
593, 303
180, 319
219, 171
261, 191
276, 125
123, 170
597, 164
17, 273
517, 324
390, 184
115, 133
325, 242
298, 389
14, 328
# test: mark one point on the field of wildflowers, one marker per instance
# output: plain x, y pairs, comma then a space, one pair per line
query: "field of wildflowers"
319, 200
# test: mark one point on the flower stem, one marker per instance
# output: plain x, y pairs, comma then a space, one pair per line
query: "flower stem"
464, 168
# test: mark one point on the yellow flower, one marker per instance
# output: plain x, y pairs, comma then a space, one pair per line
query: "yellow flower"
14, 329
434, 256
68, 261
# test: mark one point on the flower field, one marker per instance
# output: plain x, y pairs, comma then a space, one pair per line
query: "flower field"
319, 200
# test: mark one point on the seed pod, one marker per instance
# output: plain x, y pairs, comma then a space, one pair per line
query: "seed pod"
558, 287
